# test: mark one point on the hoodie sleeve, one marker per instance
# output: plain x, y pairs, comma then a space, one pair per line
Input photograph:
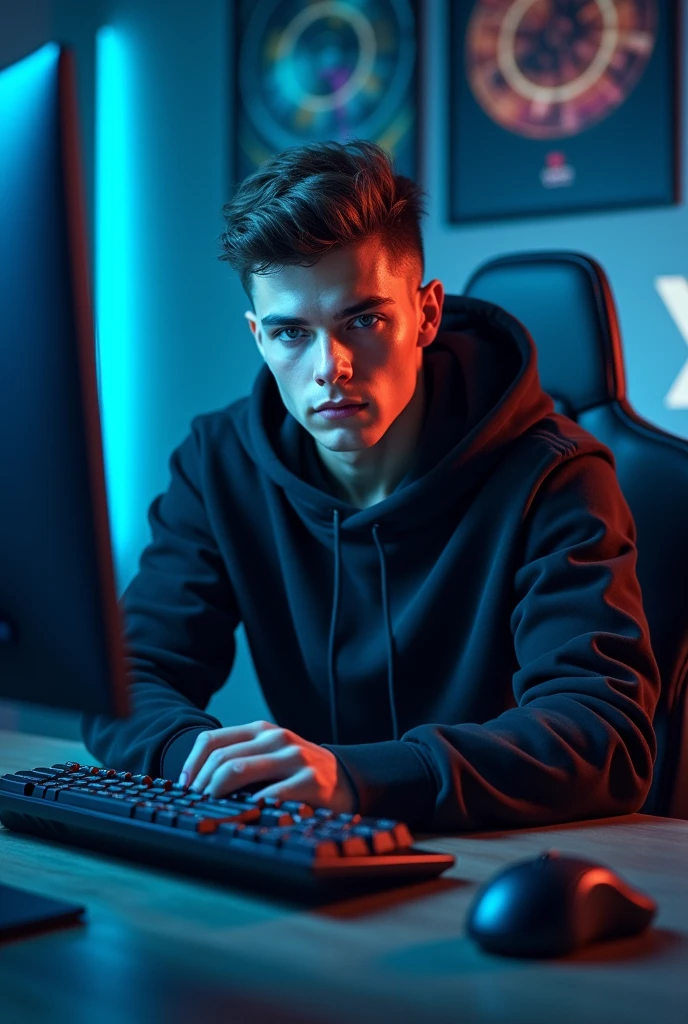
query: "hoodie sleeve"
179, 615
580, 741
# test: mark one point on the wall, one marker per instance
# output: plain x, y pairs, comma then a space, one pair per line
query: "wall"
191, 346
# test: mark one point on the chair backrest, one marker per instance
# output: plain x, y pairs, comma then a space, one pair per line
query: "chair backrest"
565, 301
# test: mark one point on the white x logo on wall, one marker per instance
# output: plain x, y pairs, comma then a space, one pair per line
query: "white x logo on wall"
674, 294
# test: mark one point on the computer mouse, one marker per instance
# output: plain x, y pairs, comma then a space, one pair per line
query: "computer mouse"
552, 904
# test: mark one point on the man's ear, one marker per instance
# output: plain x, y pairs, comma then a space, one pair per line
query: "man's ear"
255, 330
431, 305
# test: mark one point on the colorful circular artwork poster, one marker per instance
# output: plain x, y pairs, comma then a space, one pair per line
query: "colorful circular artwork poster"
561, 105
313, 70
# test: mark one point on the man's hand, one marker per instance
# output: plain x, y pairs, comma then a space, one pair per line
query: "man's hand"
223, 760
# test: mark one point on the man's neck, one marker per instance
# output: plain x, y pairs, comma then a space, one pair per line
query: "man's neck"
374, 473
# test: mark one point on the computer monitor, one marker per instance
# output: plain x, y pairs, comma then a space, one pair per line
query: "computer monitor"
60, 634
61, 640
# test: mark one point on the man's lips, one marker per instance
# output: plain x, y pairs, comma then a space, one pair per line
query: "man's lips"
342, 411
339, 403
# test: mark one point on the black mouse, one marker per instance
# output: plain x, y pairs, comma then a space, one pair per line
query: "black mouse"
552, 904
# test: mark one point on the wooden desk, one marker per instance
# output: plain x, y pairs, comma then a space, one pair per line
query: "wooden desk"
161, 948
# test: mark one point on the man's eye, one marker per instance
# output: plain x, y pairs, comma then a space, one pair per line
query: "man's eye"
295, 336
367, 316
279, 337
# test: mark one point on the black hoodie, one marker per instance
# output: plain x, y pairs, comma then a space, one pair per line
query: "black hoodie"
473, 648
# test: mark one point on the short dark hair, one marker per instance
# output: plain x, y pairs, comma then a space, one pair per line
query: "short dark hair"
307, 200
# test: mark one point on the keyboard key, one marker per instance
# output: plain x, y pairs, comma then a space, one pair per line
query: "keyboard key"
210, 823
400, 831
34, 775
380, 840
311, 848
144, 779
247, 815
51, 790
222, 810
229, 829
91, 802
166, 816
38, 792
197, 822
16, 784
249, 833
275, 816
271, 836
353, 846
348, 844
144, 812
298, 809
187, 821
245, 795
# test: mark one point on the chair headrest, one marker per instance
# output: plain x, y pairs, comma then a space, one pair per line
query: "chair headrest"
565, 302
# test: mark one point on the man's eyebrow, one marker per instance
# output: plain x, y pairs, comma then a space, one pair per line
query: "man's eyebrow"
298, 321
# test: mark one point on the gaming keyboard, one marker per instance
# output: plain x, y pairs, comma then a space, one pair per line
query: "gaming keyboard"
283, 847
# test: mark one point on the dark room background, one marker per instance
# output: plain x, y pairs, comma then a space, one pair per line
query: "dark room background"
156, 124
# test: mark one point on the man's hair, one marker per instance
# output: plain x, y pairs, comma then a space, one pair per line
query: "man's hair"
308, 200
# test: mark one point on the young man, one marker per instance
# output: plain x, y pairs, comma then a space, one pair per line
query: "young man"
435, 571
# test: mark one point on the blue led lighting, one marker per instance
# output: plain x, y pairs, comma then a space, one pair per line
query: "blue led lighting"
23, 122
114, 278
23, 78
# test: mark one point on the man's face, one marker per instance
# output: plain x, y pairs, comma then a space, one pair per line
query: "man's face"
320, 349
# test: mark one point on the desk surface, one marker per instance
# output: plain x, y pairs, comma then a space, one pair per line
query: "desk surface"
160, 947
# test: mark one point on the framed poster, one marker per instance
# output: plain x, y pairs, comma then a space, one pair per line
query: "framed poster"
559, 106
316, 70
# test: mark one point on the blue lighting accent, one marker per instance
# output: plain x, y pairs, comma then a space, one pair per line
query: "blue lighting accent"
23, 122
492, 906
21, 79
114, 284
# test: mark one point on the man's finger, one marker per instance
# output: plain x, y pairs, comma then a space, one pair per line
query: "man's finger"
208, 741
298, 786
236, 774
265, 742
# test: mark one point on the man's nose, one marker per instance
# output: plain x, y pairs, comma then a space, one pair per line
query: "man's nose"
333, 361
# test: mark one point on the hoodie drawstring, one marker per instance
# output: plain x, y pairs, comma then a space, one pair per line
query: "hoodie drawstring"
333, 627
388, 630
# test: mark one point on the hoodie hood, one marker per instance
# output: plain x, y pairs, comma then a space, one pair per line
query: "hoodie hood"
482, 393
